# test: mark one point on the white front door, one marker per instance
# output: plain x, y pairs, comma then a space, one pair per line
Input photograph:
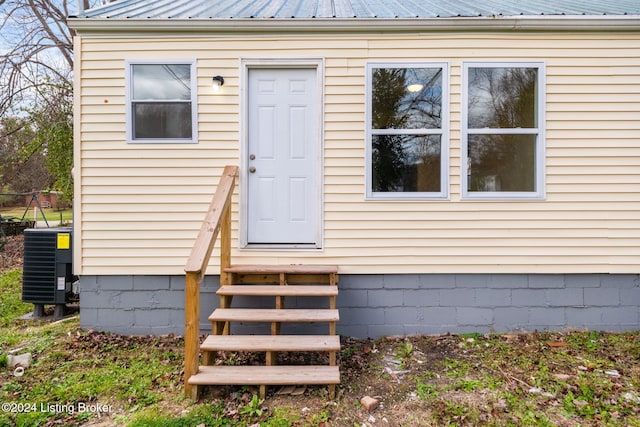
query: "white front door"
283, 139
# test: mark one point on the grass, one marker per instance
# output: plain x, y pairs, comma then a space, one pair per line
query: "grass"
81, 376
12, 306
540, 379
538, 384
50, 214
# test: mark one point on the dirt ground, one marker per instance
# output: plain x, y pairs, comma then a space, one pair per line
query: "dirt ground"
565, 378
11, 252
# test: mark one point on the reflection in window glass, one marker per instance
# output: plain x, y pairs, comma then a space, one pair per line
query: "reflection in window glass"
407, 131
407, 98
502, 98
161, 81
162, 120
502, 163
503, 146
161, 107
406, 163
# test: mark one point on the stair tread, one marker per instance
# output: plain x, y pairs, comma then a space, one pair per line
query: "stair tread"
277, 290
285, 268
274, 315
266, 375
271, 343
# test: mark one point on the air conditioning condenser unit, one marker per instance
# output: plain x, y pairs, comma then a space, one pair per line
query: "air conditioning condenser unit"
47, 275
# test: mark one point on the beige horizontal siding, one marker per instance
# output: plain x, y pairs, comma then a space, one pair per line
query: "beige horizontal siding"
140, 206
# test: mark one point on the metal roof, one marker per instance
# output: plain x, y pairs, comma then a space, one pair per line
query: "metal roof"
355, 9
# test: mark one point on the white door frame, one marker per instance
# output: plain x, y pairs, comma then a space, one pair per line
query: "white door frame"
261, 63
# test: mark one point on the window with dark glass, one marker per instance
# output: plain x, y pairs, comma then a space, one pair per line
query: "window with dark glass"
161, 102
503, 143
407, 120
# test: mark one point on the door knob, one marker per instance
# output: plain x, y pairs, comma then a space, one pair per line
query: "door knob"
252, 169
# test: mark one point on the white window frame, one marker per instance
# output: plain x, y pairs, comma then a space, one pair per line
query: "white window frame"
540, 181
443, 194
129, 102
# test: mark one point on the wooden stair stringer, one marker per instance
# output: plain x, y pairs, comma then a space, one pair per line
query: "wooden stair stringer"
279, 282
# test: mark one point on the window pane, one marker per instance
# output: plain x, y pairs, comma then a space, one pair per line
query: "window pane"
162, 120
407, 98
406, 163
161, 81
502, 98
502, 163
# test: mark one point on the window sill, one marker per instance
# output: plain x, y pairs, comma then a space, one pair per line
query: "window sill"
502, 196
162, 141
406, 197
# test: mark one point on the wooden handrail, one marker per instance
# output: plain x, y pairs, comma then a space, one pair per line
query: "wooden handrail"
201, 250
217, 220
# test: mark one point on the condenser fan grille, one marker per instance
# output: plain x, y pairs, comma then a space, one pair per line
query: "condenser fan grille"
39, 271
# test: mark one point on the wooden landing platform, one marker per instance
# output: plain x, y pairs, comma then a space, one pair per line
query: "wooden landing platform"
287, 269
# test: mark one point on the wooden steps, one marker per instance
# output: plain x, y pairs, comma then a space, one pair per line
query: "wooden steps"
273, 315
271, 343
287, 269
270, 375
282, 274
277, 290
278, 282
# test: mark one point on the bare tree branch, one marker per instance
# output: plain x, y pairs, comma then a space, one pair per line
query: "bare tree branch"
40, 45
36, 84
40, 11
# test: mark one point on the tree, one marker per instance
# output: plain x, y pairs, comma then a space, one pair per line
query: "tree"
53, 122
40, 45
21, 171
36, 64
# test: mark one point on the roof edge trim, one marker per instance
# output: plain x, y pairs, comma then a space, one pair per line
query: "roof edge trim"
84, 26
